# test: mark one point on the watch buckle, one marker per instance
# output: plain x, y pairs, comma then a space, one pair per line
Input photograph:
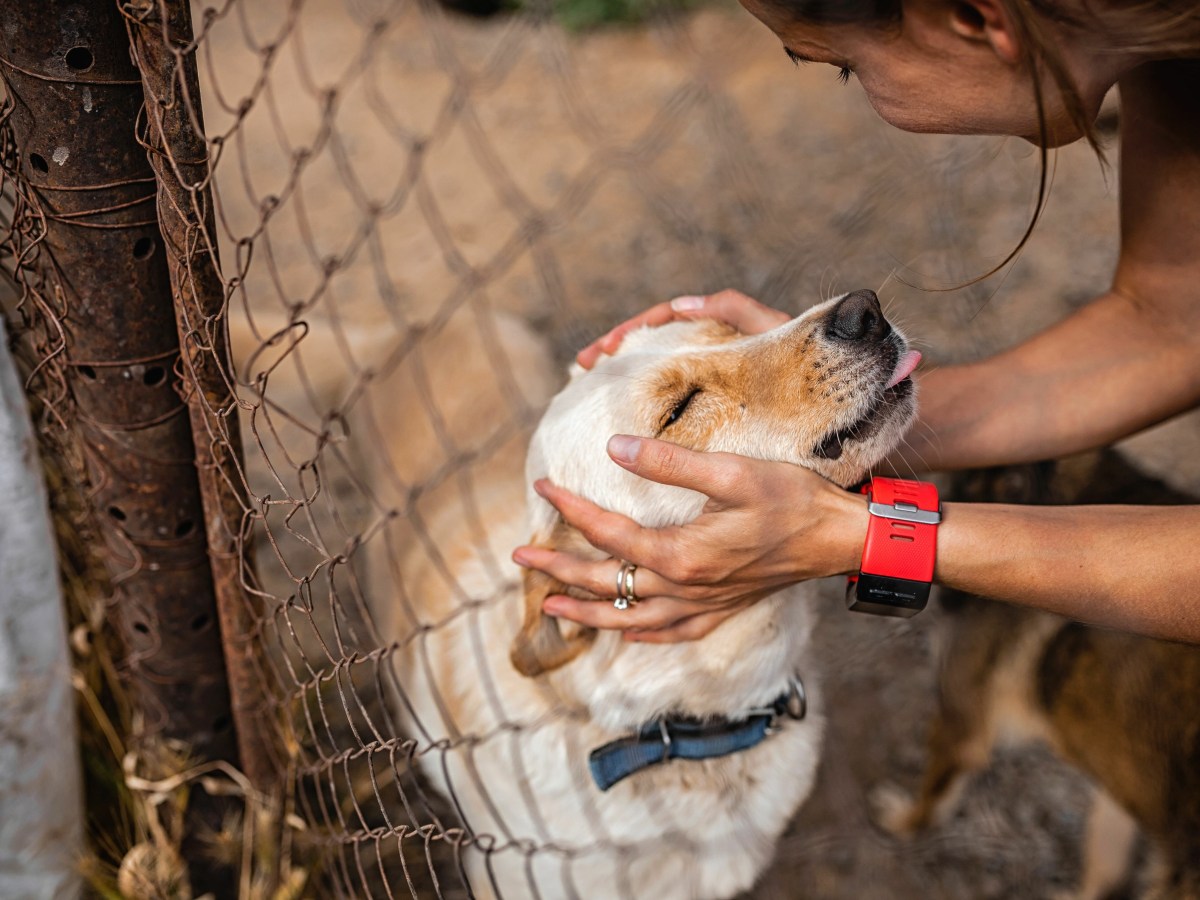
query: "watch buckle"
904, 511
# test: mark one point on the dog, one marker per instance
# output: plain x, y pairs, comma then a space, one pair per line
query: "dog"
507, 705
1123, 709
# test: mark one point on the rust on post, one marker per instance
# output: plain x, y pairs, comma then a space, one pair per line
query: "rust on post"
97, 294
75, 100
160, 33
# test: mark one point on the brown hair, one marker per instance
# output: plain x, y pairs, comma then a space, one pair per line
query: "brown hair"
1164, 28
1158, 28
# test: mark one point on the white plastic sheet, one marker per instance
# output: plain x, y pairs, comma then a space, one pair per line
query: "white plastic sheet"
41, 816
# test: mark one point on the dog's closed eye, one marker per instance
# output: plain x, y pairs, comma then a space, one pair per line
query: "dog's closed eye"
678, 410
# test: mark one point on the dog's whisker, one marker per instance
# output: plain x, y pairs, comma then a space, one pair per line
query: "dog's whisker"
912, 470
886, 281
834, 289
821, 294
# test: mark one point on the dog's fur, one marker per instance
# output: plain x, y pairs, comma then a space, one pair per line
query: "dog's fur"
1123, 709
506, 702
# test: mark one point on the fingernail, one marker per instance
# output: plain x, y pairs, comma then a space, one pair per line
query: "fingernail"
520, 558
542, 487
553, 606
624, 448
687, 304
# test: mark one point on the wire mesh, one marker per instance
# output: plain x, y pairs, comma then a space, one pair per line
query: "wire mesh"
419, 216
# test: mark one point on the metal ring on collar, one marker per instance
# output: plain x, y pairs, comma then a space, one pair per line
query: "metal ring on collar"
797, 699
626, 596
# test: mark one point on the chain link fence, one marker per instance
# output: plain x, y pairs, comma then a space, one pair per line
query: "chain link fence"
386, 227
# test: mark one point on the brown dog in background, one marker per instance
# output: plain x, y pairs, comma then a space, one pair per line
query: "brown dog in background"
1123, 709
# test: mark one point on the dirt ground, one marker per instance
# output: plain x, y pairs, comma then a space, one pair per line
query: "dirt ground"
573, 180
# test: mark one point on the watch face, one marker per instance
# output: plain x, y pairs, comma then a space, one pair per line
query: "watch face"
883, 596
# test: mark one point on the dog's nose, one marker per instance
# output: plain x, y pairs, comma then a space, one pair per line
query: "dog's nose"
857, 317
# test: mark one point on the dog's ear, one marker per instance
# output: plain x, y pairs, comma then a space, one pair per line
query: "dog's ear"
544, 643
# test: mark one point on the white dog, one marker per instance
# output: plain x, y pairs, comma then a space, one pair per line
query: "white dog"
506, 704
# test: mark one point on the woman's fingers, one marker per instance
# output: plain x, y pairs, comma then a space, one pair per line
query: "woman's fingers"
660, 314
652, 614
615, 534
744, 313
734, 308
720, 475
599, 578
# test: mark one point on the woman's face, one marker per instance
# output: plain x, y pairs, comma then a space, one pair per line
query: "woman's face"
931, 73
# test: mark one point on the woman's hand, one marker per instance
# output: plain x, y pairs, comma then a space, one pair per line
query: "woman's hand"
766, 525
734, 308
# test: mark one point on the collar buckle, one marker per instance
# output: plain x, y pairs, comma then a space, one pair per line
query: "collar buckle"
666, 737
796, 704
793, 703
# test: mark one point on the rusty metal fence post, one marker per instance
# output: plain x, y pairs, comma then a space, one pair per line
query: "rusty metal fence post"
122, 290
160, 34
77, 100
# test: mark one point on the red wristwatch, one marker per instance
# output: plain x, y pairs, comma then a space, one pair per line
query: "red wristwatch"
897, 561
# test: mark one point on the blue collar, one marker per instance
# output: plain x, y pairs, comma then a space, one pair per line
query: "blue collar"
682, 737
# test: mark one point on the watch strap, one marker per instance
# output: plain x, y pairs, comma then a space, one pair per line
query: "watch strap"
900, 550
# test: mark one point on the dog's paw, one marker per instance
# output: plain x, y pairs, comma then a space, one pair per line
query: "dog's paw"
892, 809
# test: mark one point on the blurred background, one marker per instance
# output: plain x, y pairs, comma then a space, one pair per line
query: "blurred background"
379, 167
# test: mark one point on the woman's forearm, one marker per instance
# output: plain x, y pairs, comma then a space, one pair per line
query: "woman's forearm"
1129, 567
1103, 373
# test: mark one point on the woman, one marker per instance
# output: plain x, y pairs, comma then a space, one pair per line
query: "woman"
1131, 358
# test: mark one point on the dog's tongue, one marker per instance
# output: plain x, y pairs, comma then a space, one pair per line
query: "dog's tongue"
904, 368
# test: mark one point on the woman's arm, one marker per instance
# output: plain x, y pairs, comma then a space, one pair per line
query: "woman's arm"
1116, 366
770, 524
1127, 360
1129, 567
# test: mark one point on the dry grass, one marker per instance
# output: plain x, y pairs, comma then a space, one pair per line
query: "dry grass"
138, 791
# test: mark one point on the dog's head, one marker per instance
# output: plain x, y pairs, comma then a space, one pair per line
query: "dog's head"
828, 390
